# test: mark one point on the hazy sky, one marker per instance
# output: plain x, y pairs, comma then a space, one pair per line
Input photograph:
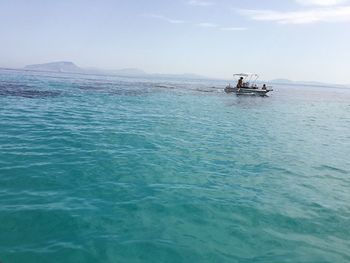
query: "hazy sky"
296, 39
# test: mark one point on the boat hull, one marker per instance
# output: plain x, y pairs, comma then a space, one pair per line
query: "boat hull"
247, 91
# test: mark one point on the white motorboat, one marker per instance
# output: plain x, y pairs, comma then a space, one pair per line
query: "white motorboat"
246, 85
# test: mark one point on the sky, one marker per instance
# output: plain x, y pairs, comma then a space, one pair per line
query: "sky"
294, 39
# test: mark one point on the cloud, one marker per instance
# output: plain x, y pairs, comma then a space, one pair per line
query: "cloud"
233, 28
200, 3
321, 2
221, 28
167, 19
333, 14
205, 24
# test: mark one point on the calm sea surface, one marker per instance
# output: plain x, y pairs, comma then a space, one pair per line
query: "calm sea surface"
108, 169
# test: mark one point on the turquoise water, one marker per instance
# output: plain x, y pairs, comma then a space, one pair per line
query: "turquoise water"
108, 169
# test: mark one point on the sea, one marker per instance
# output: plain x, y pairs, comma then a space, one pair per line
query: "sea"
125, 169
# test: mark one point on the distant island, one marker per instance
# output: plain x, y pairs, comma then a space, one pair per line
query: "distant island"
305, 83
61, 66
70, 67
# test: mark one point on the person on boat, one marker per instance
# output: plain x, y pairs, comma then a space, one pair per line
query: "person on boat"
240, 83
264, 87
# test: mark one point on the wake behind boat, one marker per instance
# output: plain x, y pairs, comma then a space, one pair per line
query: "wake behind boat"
246, 85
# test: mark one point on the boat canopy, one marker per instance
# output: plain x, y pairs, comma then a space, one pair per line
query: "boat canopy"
245, 75
248, 77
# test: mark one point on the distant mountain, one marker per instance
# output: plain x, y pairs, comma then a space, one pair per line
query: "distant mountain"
281, 81
129, 72
70, 67
304, 83
61, 66
178, 76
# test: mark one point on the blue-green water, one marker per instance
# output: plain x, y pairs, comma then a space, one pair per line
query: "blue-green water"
108, 169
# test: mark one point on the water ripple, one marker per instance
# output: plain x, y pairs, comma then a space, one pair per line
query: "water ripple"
104, 169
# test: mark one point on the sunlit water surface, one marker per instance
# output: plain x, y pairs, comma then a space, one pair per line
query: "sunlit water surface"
110, 169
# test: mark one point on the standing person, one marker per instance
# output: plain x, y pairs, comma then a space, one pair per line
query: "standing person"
240, 83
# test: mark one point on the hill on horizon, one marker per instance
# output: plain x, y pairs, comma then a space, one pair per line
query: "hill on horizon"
60, 66
70, 67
